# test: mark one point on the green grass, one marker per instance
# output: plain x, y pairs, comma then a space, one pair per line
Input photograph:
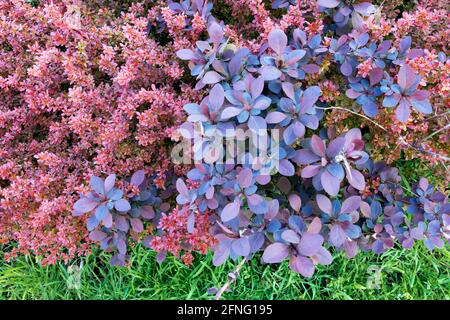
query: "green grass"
414, 274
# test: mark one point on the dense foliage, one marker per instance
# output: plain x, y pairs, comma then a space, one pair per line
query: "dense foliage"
87, 92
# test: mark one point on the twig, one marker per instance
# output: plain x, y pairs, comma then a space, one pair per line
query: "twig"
402, 139
436, 116
230, 280
436, 132
356, 113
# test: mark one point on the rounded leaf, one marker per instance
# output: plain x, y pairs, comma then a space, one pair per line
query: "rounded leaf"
138, 177
277, 41
295, 201
275, 253
230, 211
122, 205
84, 205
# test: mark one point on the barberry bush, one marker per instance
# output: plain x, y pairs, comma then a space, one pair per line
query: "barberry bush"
96, 98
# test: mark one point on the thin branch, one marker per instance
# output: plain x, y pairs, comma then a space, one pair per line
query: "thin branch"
402, 139
436, 132
230, 280
436, 116
356, 113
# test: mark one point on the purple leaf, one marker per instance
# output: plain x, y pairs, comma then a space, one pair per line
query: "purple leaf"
101, 212
241, 246
257, 124
310, 244
362, 39
84, 205
275, 117
346, 68
330, 183
257, 204
277, 41
257, 87
406, 77
275, 253
161, 256
295, 201
92, 223
185, 54
324, 203
288, 89
318, 146
311, 68
138, 177
230, 112
391, 101
309, 98
352, 94
211, 77
403, 111
147, 212
328, 3
137, 225
286, 168
302, 265
115, 194
289, 135
97, 235
122, 205
221, 254
216, 96
310, 171
181, 188
351, 248
290, 236
352, 135
273, 209
417, 233
263, 179
323, 256
97, 185
375, 76
190, 223
337, 235
351, 204
315, 226
420, 102
109, 182
262, 103
356, 179
121, 223
294, 56
364, 8
230, 211
215, 32
108, 221
270, 73
336, 170
305, 156
423, 184
121, 246
405, 44
245, 178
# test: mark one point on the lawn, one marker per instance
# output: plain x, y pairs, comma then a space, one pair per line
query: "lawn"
396, 274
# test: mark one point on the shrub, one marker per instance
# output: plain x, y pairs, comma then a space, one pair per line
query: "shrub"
83, 92
89, 93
